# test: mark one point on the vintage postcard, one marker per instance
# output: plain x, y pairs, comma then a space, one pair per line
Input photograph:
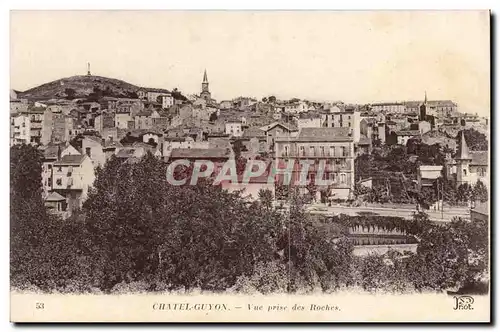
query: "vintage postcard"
239, 166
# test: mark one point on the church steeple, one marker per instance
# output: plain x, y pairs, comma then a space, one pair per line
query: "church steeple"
205, 92
88, 69
463, 149
205, 79
425, 98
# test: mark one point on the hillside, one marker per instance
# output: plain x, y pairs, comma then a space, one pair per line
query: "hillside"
83, 86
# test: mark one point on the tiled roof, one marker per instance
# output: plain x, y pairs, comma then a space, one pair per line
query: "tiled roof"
324, 134
274, 124
200, 153
112, 144
126, 152
51, 151
54, 197
74, 159
93, 138
254, 132
408, 132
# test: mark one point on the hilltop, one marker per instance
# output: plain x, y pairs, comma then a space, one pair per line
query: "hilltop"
80, 87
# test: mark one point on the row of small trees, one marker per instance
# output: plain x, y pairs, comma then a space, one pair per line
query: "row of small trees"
138, 232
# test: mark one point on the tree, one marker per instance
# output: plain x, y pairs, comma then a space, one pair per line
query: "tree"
271, 99
70, 93
137, 234
450, 255
480, 192
465, 192
313, 258
312, 189
238, 147
96, 94
264, 99
178, 95
476, 141
213, 117
43, 248
266, 198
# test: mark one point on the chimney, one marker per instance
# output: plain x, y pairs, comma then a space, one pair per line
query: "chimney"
103, 141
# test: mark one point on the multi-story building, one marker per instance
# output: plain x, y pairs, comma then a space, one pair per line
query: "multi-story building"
391, 108
173, 143
440, 108
27, 126
296, 107
92, 146
330, 147
122, 120
151, 94
51, 153
234, 129
143, 120
347, 118
276, 130
72, 176
167, 100
306, 120
373, 130
63, 128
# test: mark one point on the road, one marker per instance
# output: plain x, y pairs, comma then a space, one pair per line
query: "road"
436, 216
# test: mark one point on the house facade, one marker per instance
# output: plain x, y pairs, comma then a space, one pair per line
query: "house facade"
332, 146
72, 177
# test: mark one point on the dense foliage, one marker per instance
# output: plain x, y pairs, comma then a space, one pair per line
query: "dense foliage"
136, 232
476, 141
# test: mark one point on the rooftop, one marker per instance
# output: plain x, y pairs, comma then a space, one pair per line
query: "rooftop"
70, 160
324, 134
201, 153
54, 197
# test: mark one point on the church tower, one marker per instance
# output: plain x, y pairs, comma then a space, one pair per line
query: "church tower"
423, 109
463, 160
205, 92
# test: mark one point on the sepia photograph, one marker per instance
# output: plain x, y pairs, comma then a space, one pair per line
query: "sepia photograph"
250, 166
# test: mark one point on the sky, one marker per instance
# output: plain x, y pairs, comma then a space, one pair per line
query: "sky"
356, 57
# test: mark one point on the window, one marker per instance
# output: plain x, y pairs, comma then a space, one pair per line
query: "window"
59, 169
322, 151
481, 171
465, 172
332, 151
342, 178
343, 153
49, 166
302, 151
87, 151
311, 151
286, 151
59, 182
